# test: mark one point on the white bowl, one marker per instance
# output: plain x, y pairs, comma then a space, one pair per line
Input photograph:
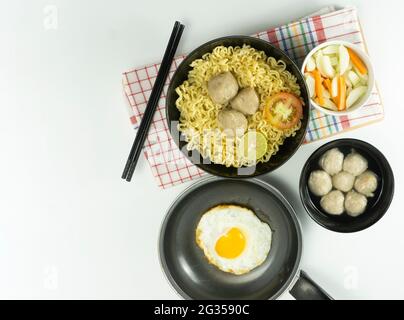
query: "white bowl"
371, 79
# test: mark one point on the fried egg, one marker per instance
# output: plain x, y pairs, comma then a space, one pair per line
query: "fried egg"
233, 238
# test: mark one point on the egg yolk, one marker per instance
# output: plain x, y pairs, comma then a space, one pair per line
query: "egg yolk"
231, 244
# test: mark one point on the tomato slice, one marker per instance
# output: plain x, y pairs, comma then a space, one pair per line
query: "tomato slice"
283, 110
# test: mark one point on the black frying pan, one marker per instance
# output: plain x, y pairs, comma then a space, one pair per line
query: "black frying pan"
193, 277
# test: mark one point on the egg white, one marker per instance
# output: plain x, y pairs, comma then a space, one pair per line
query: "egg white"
218, 221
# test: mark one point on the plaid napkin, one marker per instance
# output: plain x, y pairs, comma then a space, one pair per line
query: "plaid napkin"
168, 164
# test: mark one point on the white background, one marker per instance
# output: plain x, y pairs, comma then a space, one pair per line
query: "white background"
70, 227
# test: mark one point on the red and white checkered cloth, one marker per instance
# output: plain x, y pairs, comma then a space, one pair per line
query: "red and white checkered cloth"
169, 165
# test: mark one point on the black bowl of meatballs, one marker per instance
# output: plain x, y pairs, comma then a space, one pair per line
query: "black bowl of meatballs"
289, 146
346, 185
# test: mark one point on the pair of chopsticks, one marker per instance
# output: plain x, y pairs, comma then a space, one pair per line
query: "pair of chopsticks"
153, 100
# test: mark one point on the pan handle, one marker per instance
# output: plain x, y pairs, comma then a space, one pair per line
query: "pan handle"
306, 289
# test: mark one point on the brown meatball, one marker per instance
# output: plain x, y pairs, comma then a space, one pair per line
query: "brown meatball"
222, 87
232, 122
366, 183
355, 203
333, 203
246, 101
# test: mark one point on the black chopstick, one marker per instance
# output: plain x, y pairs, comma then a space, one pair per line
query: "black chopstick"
153, 101
151, 105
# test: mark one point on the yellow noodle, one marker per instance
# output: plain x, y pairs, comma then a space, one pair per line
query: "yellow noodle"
198, 113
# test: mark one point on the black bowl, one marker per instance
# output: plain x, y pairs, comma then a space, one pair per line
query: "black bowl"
285, 151
377, 205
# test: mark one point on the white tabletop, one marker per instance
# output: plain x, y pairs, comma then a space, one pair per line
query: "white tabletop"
71, 228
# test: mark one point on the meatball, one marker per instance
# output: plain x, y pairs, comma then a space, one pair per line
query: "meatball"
343, 181
232, 122
320, 183
222, 87
366, 183
331, 161
246, 101
355, 203
333, 203
354, 163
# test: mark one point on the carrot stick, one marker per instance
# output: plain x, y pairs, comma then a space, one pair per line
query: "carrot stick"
358, 63
318, 86
328, 85
341, 94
